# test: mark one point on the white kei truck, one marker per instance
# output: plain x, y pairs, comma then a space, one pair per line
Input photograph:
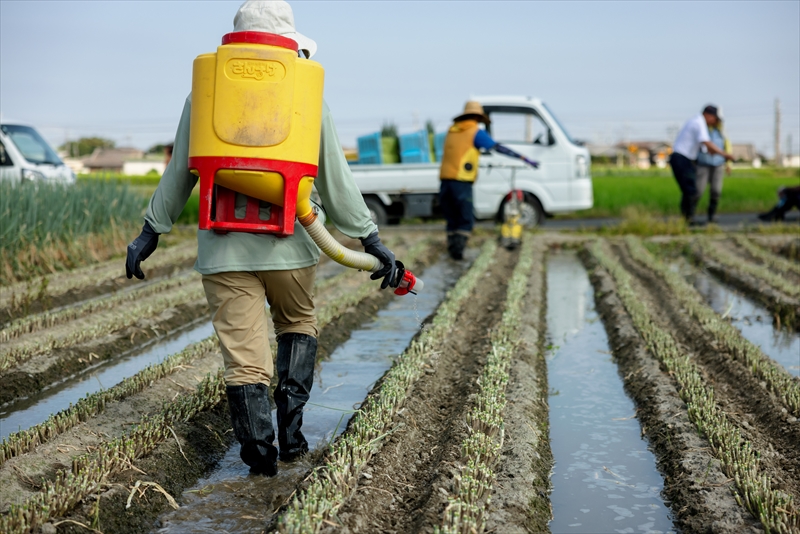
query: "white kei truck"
562, 183
26, 157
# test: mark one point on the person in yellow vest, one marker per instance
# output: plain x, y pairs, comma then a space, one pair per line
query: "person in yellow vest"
459, 171
243, 272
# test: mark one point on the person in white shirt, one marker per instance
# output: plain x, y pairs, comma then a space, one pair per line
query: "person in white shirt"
684, 156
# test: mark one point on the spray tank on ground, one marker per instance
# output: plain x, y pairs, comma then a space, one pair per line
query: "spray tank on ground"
255, 130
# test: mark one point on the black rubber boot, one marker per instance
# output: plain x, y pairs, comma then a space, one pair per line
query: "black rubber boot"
251, 416
297, 354
456, 243
462, 244
452, 247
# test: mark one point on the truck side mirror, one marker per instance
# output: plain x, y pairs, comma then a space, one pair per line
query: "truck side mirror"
550, 139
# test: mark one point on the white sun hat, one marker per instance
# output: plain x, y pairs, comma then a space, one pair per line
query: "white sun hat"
271, 17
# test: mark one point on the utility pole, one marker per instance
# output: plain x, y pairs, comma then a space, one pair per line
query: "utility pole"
778, 162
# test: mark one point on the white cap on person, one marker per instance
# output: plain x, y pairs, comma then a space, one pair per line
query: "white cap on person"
272, 16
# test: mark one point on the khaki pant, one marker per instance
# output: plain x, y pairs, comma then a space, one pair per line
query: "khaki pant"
239, 316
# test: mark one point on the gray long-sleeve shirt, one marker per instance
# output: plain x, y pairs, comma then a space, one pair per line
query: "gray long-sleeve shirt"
240, 251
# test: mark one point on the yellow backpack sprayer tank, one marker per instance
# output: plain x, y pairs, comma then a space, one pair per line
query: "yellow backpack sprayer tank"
255, 130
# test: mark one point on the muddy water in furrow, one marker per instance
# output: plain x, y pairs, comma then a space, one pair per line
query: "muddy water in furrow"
605, 478
750, 318
25, 413
232, 500
30, 411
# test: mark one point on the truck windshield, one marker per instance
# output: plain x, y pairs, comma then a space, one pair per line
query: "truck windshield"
30, 144
560, 124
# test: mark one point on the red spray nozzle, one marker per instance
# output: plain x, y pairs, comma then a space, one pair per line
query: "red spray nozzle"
408, 283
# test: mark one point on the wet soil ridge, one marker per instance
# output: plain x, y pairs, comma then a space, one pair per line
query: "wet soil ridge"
729, 259
773, 261
44, 369
775, 510
48, 319
519, 501
165, 465
758, 415
695, 487
111, 321
778, 379
50, 368
333, 483
404, 487
480, 451
65, 288
761, 272
90, 471
721, 255
790, 250
91, 405
224, 499
784, 307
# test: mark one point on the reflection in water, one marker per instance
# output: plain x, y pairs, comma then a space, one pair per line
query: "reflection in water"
35, 409
753, 320
605, 478
230, 500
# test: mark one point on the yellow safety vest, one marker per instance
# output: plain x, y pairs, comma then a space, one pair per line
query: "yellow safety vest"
460, 157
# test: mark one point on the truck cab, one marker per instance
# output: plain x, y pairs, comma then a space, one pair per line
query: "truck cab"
526, 125
26, 157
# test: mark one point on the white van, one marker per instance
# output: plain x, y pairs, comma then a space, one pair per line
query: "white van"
26, 157
562, 183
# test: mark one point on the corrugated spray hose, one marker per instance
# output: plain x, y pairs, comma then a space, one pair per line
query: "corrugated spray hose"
350, 258
334, 250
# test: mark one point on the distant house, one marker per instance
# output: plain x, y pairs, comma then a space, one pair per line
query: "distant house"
644, 154
746, 153
791, 161
127, 161
150, 164
111, 159
743, 152
604, 153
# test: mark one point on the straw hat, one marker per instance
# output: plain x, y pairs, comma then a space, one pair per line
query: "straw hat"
473, 110
271, 17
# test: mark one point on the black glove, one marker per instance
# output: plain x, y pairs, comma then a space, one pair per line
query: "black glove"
139, 250
372, 245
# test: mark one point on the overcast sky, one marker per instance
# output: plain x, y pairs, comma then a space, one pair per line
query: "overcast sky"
609, 70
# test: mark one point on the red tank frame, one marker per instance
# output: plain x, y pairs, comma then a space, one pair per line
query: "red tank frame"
281, 221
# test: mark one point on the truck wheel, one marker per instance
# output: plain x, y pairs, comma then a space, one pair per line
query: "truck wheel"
376, 211
531, 212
